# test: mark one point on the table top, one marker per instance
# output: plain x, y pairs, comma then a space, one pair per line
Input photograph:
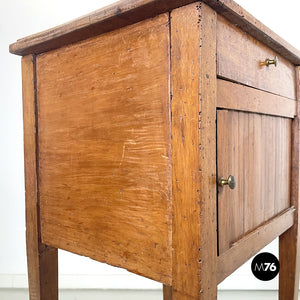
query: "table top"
127, 12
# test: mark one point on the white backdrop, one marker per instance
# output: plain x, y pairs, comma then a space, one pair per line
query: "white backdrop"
20, 18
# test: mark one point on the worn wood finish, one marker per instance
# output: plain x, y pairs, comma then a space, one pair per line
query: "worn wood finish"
269, 175
207, 153
127, 12
109, 18
167, 292
289, 244
239, 57
253, 242
240, 97
241, 18
41, 259
186, 242
193, 157
242, 147
104, 148
230, 202
123, 140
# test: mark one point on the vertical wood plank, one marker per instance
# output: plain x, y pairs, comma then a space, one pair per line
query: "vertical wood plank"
236, 202
245, 173
277, 166
289, 243
41, 259
280, 175
223, 207
287, 158
249, 216
193, 84
230, 202
185, 60
270, 169
257, 208
231, 171
284, 164
264, 167
167, 292
208, 195
242, 127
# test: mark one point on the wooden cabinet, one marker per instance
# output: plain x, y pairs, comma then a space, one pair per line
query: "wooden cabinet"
132, 115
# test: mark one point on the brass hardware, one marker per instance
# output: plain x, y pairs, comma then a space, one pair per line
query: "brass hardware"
268, 62
230, 181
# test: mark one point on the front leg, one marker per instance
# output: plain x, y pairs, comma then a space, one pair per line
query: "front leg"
41, 259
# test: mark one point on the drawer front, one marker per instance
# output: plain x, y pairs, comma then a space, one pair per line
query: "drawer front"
256, 150
240, 58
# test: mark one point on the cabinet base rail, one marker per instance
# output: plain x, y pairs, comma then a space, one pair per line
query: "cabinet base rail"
246, 247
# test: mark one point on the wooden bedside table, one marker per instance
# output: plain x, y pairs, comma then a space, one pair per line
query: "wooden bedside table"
161, 137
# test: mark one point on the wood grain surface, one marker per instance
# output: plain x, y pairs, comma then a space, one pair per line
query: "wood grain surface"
207, 153
127, 12
194, 240
239, 58
243, 98
41, 259
122, 143
167, 292
289, 242
250, 244
256, 149
104, 148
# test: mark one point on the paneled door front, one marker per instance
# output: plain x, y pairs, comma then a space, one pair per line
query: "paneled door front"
255, 150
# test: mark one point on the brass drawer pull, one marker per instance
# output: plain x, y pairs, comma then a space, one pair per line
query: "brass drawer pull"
230, 181
268, 62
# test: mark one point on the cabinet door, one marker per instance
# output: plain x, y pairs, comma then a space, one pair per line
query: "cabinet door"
256, 150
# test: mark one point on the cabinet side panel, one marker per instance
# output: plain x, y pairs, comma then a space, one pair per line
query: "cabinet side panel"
104, 148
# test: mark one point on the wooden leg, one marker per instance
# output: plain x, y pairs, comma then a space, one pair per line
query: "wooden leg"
167, 291
42, 272
193, 83
289, 264
41, 259
289, 244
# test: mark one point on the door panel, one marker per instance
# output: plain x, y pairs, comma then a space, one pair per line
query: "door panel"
256, 149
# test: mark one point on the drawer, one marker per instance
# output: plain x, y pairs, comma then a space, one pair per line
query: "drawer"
240, 58
256, 150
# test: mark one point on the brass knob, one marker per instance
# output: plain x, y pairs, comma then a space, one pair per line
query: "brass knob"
274, 61
230, 181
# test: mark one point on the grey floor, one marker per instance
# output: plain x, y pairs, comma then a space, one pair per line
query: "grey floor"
22, 294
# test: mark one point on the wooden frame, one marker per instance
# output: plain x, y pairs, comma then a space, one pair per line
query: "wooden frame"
246, 247
193, 138
239, 97
41, 259
289, 243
